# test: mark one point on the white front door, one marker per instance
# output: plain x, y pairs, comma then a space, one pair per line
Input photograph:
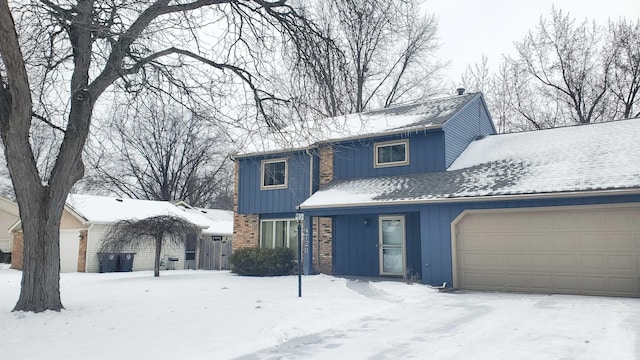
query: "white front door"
69, 249
392, 239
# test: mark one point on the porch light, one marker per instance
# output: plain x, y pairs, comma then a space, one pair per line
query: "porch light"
299, 219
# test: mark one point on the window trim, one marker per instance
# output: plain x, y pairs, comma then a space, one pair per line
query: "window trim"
286, 174
376, 146
288, 235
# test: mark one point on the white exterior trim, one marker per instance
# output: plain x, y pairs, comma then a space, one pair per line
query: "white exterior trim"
488, 198
403, 247
286, 174
376, 146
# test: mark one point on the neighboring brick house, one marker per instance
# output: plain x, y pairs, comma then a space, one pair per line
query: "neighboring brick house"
430, 190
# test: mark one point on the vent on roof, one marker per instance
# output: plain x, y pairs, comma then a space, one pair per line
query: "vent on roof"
119, 200
460, 91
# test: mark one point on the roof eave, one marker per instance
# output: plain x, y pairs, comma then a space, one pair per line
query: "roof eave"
339, 140
483, 198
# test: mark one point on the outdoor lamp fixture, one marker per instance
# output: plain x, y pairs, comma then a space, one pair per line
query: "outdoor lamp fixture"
299, 219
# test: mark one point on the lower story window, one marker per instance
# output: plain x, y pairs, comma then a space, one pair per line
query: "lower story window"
279, 233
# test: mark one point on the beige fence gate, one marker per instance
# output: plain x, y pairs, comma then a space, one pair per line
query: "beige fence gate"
214, 253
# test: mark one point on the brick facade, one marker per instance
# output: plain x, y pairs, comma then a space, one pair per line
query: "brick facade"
326, 164
18, 250
323, 244
323, 227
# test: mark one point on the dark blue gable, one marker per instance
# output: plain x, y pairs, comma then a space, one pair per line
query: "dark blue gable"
471, 121
254, 200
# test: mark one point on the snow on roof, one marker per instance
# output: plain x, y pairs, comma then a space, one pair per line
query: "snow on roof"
107, 210
604, 156
220, 221
410, 117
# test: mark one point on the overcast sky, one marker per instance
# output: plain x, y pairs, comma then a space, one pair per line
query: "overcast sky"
469, 28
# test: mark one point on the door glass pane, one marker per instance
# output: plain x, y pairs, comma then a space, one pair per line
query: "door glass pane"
267, 234
392, 232
392, 260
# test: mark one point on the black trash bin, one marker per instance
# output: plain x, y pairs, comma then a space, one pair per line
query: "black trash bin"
108, 262
125, 262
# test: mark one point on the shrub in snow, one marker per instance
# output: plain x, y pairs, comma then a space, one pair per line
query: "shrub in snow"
261, 262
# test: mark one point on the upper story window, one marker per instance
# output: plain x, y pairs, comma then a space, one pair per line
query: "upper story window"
274, 174
391, 153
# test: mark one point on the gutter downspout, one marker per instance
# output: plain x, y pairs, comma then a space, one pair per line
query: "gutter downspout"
308, 268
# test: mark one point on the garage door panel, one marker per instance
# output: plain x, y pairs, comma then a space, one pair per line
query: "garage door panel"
623, 263
567, 283
621, 285
566, 261
584, 250
516, 260
620, 241
537, 242
540, 260
593, 262
541, 282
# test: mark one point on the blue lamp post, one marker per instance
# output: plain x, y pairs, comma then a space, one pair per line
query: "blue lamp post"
299, 219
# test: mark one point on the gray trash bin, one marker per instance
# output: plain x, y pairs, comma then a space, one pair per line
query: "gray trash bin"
125, 262
108, 262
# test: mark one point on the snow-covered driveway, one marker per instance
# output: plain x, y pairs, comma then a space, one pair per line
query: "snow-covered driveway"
217, 315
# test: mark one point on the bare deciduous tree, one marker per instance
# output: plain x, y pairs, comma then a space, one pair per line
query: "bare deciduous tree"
387, 57
59, 58
564, 74
156, 151
569, 60
625, 82
153, 232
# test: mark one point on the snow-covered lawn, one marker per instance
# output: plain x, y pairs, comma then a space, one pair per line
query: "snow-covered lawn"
218, 315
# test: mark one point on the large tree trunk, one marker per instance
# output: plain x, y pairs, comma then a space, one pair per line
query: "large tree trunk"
41, 267
41, 205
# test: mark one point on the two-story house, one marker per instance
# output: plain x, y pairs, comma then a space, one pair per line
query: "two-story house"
430, 190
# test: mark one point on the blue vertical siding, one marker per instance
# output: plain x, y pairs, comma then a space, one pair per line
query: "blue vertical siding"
355, 159
253, 200
355, 244
413, 244
470, 122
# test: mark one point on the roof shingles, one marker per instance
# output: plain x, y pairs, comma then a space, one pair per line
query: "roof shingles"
603, 156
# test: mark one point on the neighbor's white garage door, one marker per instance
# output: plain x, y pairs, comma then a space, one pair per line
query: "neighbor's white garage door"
69, 247
573, 250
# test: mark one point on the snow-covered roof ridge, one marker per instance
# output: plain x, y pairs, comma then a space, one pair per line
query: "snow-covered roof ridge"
431, 113
108, 210
596, 157
220, 221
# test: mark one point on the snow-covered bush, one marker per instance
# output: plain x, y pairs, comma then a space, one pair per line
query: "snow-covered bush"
261, 262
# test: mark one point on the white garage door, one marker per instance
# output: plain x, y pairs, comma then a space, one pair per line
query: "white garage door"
69, 248
571, 250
